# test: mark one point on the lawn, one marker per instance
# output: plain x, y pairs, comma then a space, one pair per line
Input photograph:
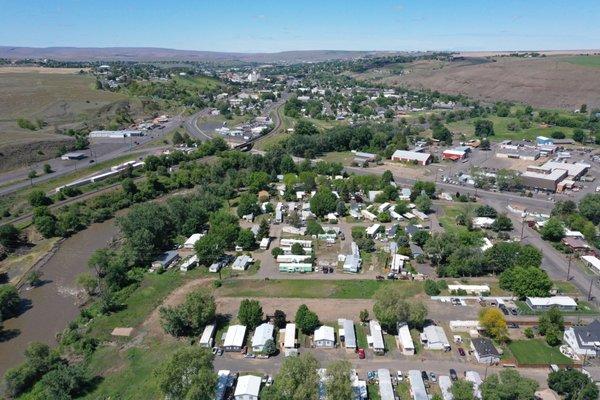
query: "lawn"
536, 351
312, 289
586, 61
361, 336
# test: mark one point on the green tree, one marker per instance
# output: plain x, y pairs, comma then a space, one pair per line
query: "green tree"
578, 135
64, 382
250, 313
431, 288
363, 315
462, 390
589, 207
390, 308
502, 223
420, 187
279, 319
313, 228
553, 230
270, 348
188, 374
573, 385
297, 380
38, 198
526, 282
9, 301
9, 236
323, 202
263, 229
421, 237
129, 186
246, 239
297, 249
338, 385
47, 169
277, 251
484, 128
199, 308
248, 204
551, 319
209, 249
306, 320
508, 385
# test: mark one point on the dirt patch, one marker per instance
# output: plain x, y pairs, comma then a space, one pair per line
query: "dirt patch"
42, 70
549, 82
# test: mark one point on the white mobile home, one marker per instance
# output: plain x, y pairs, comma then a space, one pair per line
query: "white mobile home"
347, 334
262, 333
191, 241
241, 263
417, 386
234, 338
386, 390
445, 387
404, 341
247, 388
189, 263
375, 338
289, 340
324, 337
475, 379
564, 303
207, 338
434, 338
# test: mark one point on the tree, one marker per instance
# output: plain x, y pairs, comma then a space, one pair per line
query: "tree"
526, 282
279, 319
246, 239
129, 186
502, 223
578, 135
484, 128
420, 187
199, 308
9, 236
508, 385
572, 384
553, 230
47, 169
589, 207
88, 283
188, 374
486, 211
485, 144
443, 134
421, 237
39, 360
248, 204
423, 203
363, 315
263, 229
32, 175
431, 288
306, 320
462, 390
297, 380
34, 278
209, 249
64, 382
338, 385
492, 320
297, 249
38, 198
390, 308
323, 202
277, 251
528, 332
250, 313
270, 347
9, 301
402, 207
313, 228
504, 255
551, 324
174, 321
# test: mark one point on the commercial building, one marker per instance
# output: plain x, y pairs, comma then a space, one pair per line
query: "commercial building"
347, 334
247, 388
584, 340
456, 153
518, 152
412, 157
404, 341
234, 338
484, 351
544, 179
564, 303
262, 333
324, 337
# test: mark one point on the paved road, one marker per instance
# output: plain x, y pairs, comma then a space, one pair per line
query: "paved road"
62, 168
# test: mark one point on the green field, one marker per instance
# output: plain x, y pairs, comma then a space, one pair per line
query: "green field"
586, 61
536, 351
312, 289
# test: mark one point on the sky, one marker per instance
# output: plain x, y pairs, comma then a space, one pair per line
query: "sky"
270, 26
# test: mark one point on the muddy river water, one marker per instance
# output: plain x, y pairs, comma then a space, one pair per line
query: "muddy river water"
54, 304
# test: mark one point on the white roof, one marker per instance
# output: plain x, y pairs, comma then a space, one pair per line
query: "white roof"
593, 261
435, 334
564, 301
372, 229
405, 338
207, 334
324, 332
376, 334
235, 336
470, 288
411, 155
191, 241
417, 385
386, 390
248, 385
475, 378
290, 336
262, 333
572, 169
446, 387
241, 262
349, 335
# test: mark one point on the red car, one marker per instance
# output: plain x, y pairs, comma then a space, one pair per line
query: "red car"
361, 353
461, 351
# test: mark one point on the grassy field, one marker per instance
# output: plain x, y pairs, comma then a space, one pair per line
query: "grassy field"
467, 128
537, 352
586, 61
312, 289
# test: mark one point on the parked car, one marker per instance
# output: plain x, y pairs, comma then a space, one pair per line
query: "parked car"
433, 377
512, 325
504, 310
361, 353
424, 376
453, 375
513, 311
220, 352
249, 355
461, 351
399, 376
269, 380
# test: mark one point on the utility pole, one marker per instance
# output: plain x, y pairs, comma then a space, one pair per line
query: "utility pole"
590, 290
569, 267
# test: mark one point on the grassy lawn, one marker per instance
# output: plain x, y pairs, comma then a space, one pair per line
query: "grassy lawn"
403, 390
343, 157
373, 391
312, 289
361, 336
586, 61
536, 351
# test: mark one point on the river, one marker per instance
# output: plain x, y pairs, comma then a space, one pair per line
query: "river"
54, 304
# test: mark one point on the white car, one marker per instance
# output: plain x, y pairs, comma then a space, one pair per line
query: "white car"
399, 376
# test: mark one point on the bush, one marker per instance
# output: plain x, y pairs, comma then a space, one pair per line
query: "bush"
431, 288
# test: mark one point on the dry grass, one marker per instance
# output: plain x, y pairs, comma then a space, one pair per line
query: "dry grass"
40, 70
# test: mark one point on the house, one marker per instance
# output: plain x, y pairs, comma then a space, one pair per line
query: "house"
412, 157
225, 380
165, 260
483, 222
262, 333
445, 387
564, 303
395, 215
485, 351
398, 263
191, 241
372, 230
365, 156
404, 340
264, 243
247, 388
469, 289
234, 338
383, 207
189, 263
324, 337
386, 390
347, 334
475, 379
375, 338
584, 340
241, 262
416, 250
434, 338
593, 262
295, 267
289, 340
207, 338
417, 386
351, 263
576, 243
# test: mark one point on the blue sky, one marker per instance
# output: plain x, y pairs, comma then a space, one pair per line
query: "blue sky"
267, 26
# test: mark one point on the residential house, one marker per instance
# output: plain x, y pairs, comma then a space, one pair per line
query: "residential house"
347, 334
584, 340
262, 333
564, 303
469, 289
247, 388
234, 338
324, 337
208, 334
485, 351
375, 338
434, 338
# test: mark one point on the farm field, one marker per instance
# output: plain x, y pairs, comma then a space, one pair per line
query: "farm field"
586, 61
